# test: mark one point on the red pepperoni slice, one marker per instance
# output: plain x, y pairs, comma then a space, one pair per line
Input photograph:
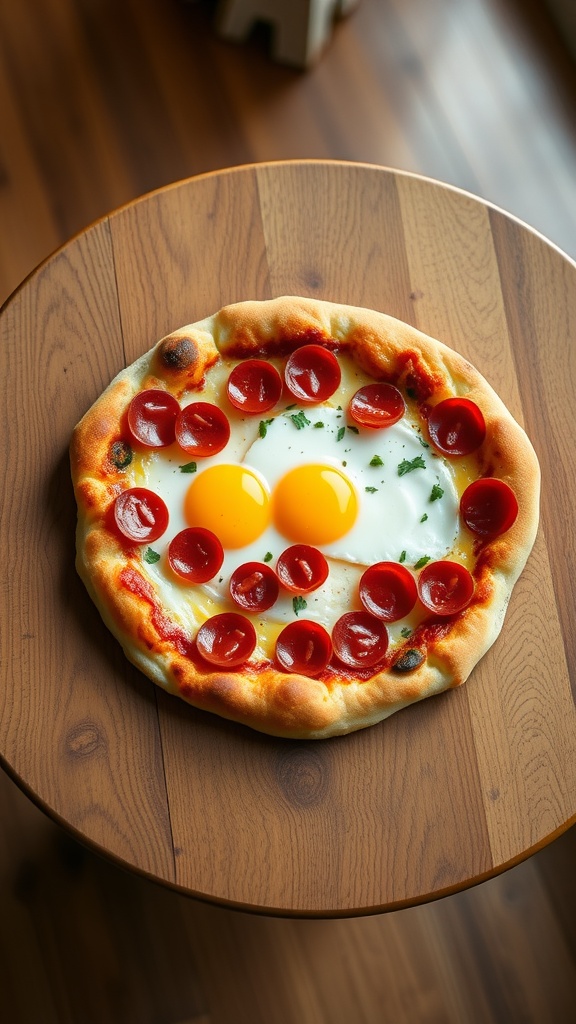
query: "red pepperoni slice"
456, 426
195, 554
312, 373
377, 406
304, 647
152, 416
226, 640
488, 507
302, 568
254, 386
359, 639
388, 590
445, 587
254, 586
202, 429
140, 515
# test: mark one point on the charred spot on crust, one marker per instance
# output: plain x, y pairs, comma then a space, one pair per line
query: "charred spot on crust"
120, 454
409, 660
177, 353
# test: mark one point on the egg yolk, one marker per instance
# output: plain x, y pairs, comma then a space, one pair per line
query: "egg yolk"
314, 504
231, 501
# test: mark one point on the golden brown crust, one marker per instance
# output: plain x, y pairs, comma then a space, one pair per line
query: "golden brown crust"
261, 696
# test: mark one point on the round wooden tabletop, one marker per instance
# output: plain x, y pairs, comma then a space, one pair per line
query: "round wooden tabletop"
444, 793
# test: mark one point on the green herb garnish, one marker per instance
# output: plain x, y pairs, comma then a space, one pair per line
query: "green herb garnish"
319, 424
268, 556
299, 604
340, 434
376, 461
407, 466
436, 492
402, 557
424, 517
422, 562
263, 427
371, 490
300, 420
353, 429
406, 632
189, 467
151, 556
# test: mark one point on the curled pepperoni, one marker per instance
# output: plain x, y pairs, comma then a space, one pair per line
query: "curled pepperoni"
377, 405
254, 386
140, 515
445, 587
226, 640
302, 568
388, 591
152, 416
359, 639
488, 507
312, 373
456, 426
195, 554
202, 429
254, 586
304, 647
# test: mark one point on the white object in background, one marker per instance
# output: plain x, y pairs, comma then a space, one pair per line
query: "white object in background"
301, 28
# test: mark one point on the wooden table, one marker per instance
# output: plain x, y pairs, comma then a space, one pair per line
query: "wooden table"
445, 793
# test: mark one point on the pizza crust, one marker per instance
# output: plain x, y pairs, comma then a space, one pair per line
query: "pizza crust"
259, 695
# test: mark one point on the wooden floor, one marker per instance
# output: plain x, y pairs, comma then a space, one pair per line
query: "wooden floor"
101, 102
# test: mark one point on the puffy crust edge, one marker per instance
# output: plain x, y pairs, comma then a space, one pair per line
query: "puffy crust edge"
274, 702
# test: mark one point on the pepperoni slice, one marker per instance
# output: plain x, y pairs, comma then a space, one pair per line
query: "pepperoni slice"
202, 429
359, 639
445, 587
254, 586
304, 647
195, 554
226, 640
388, 591
302, 568
140, 515
377, 405
254, 386
488, 507
312, 373
152, 416
456, 426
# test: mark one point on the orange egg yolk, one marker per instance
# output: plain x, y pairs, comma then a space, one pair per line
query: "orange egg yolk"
231, 501
314, 504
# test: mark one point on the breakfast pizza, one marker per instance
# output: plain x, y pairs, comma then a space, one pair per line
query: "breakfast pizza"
302, 516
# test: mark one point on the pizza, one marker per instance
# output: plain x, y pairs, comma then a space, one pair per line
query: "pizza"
302, 516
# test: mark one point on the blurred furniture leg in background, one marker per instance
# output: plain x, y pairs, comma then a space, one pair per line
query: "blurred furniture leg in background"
301, 28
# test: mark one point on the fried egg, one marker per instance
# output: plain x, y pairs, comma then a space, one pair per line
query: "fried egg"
306, 476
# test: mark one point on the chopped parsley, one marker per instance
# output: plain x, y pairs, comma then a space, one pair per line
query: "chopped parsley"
300, 420
371, 490
424, 517
268, 556
188, 467
402, 556
436, 492
423, 442
407, 466
376, 461
353, 429
422, 562
263, 427
319, 424
340, 434
151, 556
299, 604
406, 632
